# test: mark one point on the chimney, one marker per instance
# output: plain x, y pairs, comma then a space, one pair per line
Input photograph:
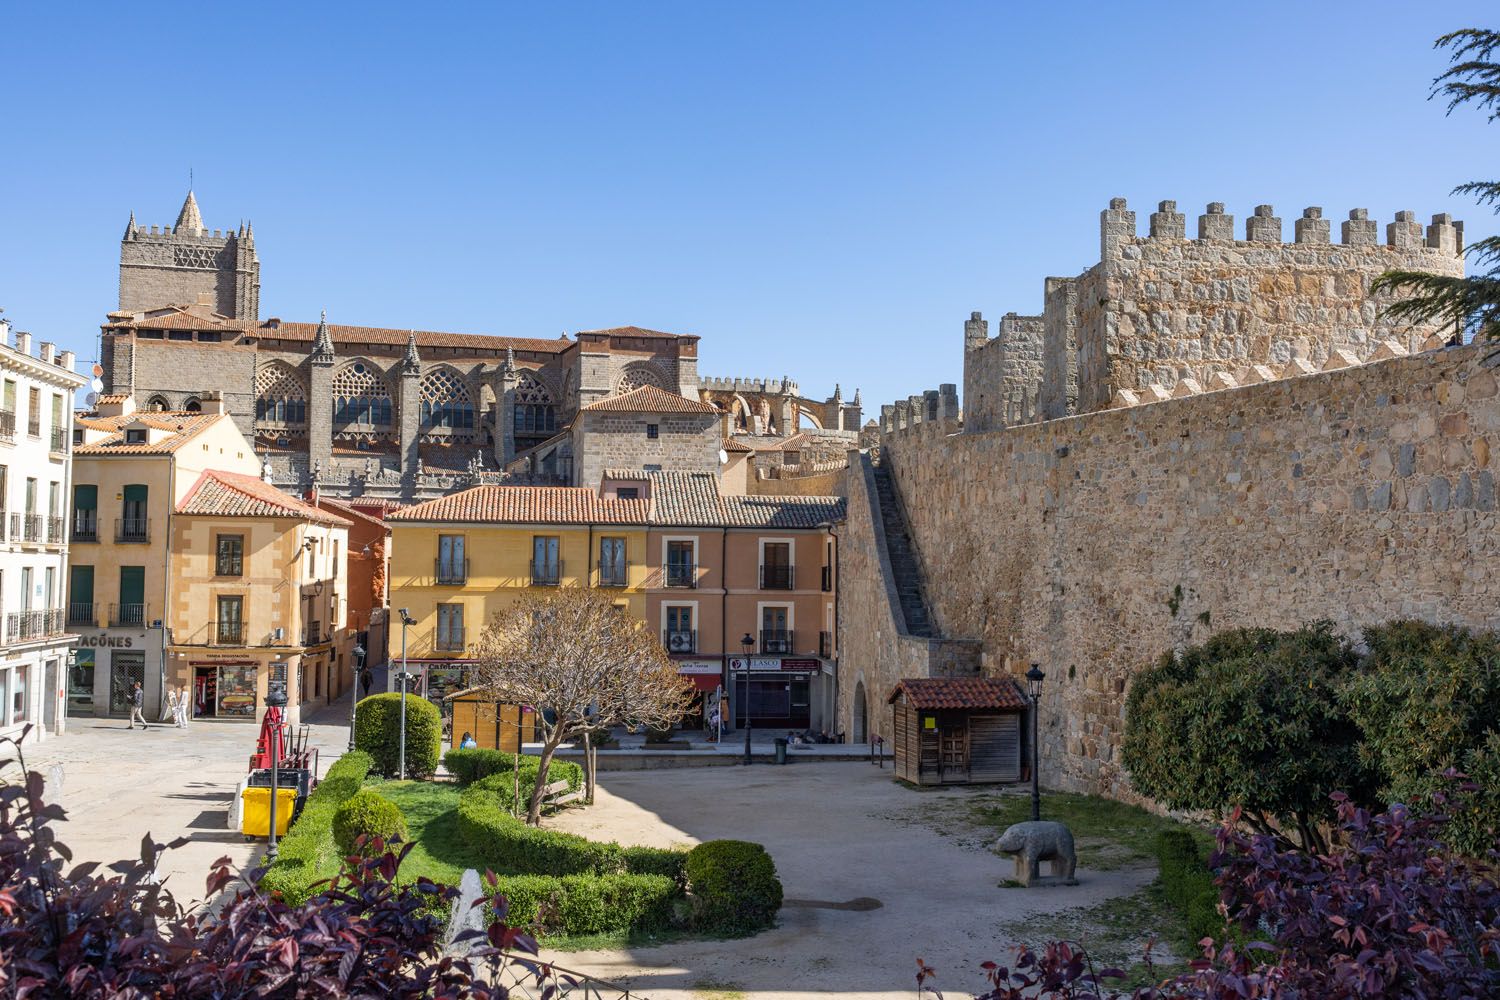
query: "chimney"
212, 401
47, 349
67, 359
4, 333
23, 342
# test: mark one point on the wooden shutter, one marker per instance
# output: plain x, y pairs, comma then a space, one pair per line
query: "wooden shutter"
995, 747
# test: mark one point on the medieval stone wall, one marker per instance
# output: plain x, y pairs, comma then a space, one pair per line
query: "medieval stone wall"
1093, 543
1001, 376
684, 442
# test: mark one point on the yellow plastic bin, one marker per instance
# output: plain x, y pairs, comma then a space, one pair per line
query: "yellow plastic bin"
255, 812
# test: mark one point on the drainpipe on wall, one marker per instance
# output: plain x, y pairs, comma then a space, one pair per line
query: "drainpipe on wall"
833, 570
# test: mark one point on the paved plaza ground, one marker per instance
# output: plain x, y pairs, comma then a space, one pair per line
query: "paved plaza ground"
839, 832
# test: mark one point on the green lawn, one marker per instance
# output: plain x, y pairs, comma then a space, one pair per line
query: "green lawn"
431, 811
1108, 835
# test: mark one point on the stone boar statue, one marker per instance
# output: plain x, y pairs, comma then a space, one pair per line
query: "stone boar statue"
1037, 841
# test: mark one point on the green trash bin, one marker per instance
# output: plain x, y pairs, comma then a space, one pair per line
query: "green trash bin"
780, 750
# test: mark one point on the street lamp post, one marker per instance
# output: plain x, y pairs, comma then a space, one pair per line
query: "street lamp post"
749, 643
359, 666
275, 701
406, 620
1034, 678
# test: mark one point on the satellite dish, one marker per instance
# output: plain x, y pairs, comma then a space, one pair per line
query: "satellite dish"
723, 457
92, 399
98, 370
97, 385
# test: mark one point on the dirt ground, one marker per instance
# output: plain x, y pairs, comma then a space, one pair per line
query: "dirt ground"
838, 832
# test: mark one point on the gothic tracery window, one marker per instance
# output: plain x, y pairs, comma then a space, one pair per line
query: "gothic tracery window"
638, 374
280, 397
535, 412
361, 397
446, 401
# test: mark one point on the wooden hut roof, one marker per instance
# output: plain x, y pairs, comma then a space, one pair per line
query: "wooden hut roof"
959, 692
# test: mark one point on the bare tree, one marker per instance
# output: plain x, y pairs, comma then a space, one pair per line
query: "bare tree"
583, 665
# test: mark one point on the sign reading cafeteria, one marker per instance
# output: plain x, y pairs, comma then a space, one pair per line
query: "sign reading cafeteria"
698, 667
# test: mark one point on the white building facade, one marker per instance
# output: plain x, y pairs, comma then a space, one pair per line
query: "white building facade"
36, 420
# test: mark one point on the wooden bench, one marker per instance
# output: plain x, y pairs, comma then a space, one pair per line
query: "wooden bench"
556, 795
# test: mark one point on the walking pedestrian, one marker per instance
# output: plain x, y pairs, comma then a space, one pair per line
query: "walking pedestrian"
137, 707
183, 705
173, 707
366, 678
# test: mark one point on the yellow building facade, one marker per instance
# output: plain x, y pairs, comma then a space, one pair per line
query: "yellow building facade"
459, 560
266, 604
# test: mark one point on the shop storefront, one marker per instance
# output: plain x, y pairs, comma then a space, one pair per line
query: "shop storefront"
224, 689
107, 664
707, 677
778, 690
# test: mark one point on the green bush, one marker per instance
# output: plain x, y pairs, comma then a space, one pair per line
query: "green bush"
307, 854
370, 814
1427, 698
734, 886
589, 904
469, 766
377, 731
1251, 718
1188, 884
487, 826
656, 861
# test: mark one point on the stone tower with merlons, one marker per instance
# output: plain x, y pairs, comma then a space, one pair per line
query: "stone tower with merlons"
186, 263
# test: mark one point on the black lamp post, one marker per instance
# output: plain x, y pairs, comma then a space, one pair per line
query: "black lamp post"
749, 643
406, 621
1034, 678
359, 666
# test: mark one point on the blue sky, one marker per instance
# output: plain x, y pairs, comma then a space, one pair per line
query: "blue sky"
821, 190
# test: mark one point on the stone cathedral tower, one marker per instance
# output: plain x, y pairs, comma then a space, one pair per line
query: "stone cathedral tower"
178, 264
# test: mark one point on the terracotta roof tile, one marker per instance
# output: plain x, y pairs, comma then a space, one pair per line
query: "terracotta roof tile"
640, 332
959, 692
628, 475
528, 505
397, 338
650, 399
114, 397
685, 498
184, 427
735, 447
350, 512
781, 512
692, 498
230, 494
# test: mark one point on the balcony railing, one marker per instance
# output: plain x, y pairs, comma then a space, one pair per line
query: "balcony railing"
682, 574
32, 526
451, 572
614, 574
825, 645
827, 582
23, 626
7, 425
85, 526
55, 527
680, 640
59, 444
450, 638
546, 574
124, 615
81, 613
777, 641
229, 632
313, 634
34, 425
777, 578
132, 529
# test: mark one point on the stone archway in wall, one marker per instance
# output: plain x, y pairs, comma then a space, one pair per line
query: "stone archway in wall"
861, 732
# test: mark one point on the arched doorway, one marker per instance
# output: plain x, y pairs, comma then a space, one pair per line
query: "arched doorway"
861, 715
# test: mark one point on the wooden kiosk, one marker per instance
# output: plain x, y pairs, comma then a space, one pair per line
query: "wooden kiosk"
958, 730
493, 724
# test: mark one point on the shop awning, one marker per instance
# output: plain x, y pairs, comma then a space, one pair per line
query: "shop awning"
703, 682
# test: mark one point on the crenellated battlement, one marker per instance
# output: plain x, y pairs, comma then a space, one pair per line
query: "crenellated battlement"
934, 406
1117, 227
767, 386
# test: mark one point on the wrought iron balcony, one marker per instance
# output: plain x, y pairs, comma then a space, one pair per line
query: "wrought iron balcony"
777, 578
59, 444
451, 572
229, 632
132, 529
450, 638
82, 613
85, 525
55, 527
25, 626
127, 615
614, 574
546, 574
32, 527
681, 574
777, 641
34, 425
7, 425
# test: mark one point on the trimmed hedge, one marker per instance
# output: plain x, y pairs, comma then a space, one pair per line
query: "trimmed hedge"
307, 854
734, 886
377, 731
486, 824
589, 904
469, 766
1188, 885
367, 813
